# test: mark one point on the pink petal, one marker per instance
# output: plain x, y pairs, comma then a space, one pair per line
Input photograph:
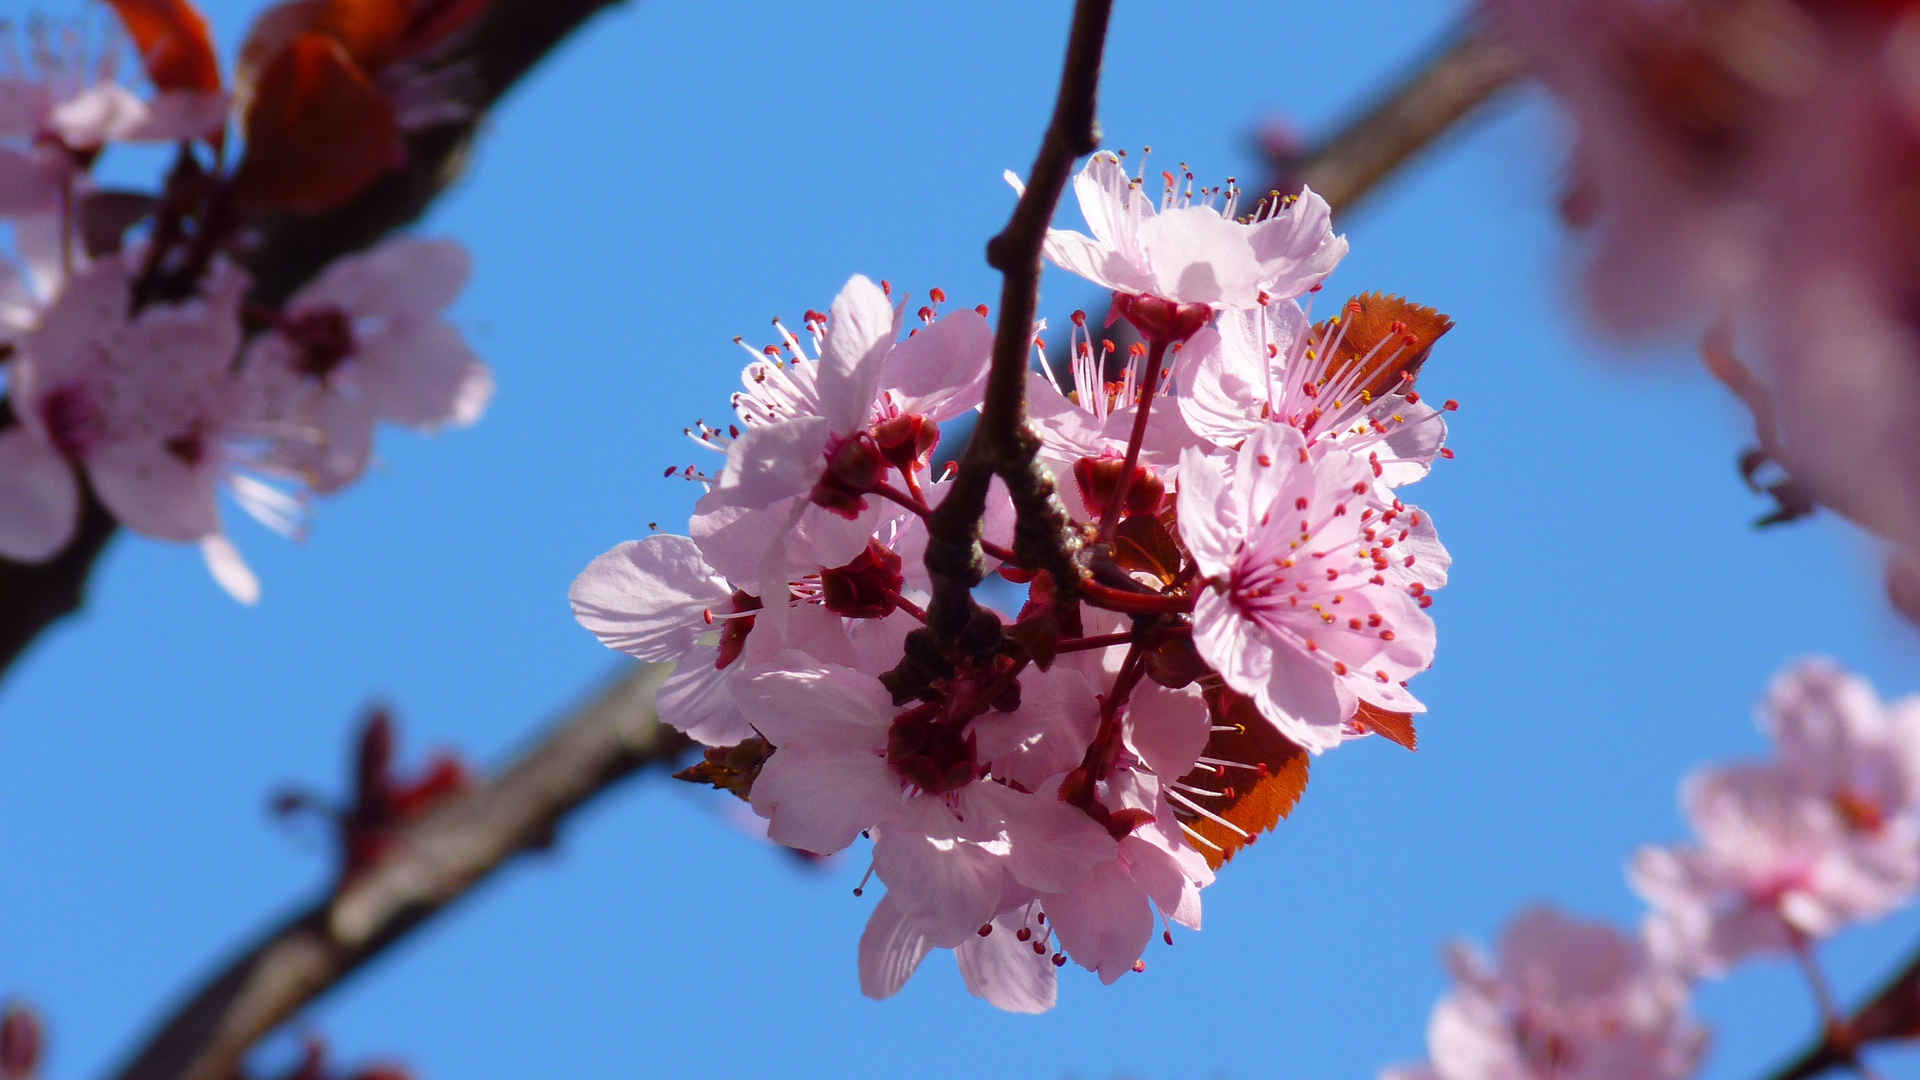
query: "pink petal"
941, 370
951, 887
648, 598
1210, 529
819, 802
408, 277
1104, 923
229, 570
1006, 971
39, 498
425, 378
152, 491
859, 332
891, 949
1296, 248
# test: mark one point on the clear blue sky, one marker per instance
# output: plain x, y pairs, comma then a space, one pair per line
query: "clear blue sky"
681, 174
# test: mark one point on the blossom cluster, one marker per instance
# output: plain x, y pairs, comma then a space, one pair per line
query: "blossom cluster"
1749, 165
1790, 850
147, 370
1249, 588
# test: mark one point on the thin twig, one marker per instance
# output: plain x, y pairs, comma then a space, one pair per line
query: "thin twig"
503, 46
1002, 444
433, 862
1892, 1013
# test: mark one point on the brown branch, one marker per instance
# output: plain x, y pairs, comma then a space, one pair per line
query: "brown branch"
1892, 1013
503, 46
1002, 445
1466, 70
434, 861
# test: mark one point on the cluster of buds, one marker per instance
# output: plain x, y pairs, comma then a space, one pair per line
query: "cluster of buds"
1237, 585
155, 368
1791, 850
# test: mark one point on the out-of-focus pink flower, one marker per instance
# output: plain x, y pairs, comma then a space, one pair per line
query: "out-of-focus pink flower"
1303, 611
1565, 1000
1836, 738
147, 403
367, 341
60, 104
1191, 248
1754, 162
1775, 867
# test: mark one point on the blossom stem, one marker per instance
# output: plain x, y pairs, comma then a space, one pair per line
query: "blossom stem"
1099, 760
1838, 1034
1093, 641
1134, 603
913, 487
907, 605
910, 500
1149, 382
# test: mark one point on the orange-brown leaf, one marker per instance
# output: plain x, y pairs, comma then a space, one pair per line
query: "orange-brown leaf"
1147, 543
1394, 726
1370, 319
731, 769
318, 132
1254, 800
436, 20
175, 46
370, 30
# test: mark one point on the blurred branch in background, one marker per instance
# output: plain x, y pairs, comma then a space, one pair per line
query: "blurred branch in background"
503, 45
1463, 73
437, 858
431, 862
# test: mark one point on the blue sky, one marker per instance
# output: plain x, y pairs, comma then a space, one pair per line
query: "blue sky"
684, 172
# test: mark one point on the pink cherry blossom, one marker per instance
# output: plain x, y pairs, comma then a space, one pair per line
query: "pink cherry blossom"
367, 341
1192, 248
60, 104
949, 838
148, 404
1836, 737
1776, 866
789, 498
1303, 610
1266, 365
1566, 1000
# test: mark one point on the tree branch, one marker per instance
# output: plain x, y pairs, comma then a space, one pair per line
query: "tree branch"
481, 66
1462, 73
434, 861
1002, 445
1892, 1013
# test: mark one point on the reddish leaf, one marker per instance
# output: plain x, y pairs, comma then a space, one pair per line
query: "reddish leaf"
1148, 544
1370, 319
1254, 798
436, 20
1394, 726
1038, 635
318, 132
730, 768
370, 30
174, 44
